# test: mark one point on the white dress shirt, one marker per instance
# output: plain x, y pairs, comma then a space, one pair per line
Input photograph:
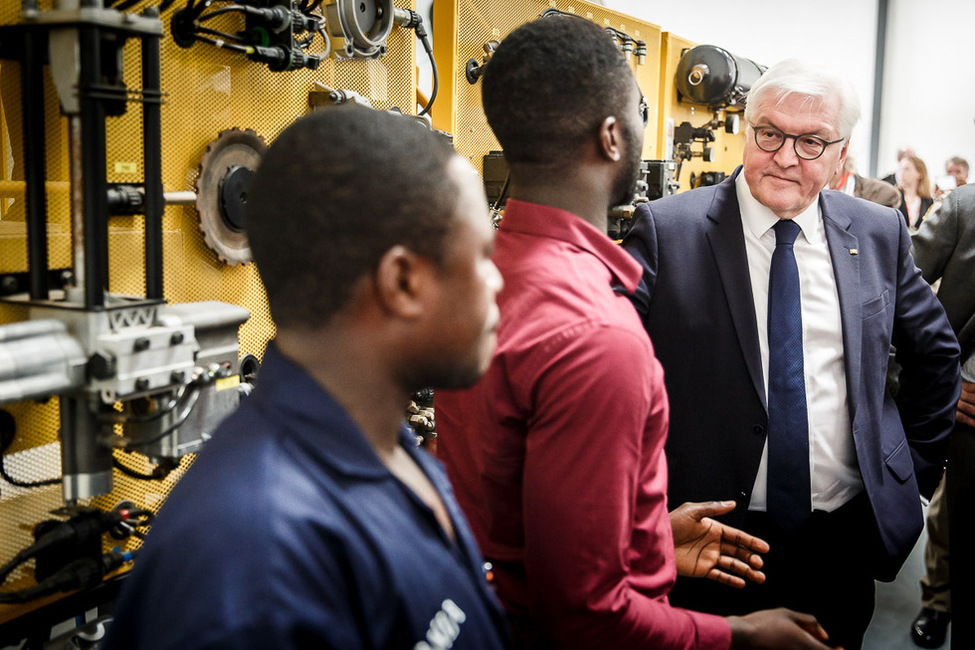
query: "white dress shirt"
834, 472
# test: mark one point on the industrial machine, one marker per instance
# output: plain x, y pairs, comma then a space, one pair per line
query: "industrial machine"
711, 77
468, 31
131, 321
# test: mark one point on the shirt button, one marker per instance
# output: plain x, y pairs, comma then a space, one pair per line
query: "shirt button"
758, 429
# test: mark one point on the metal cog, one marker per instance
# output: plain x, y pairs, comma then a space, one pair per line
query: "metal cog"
224, 170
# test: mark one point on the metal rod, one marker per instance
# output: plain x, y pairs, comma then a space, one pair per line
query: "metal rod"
17, 190
85, 462
184, 197
95, 216
32, 86
76, 171
152, 159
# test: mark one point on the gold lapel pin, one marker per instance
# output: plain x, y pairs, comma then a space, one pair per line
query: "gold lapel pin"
854, 251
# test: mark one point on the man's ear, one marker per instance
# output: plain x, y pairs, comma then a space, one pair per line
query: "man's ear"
611, 139
402, 278
841, 163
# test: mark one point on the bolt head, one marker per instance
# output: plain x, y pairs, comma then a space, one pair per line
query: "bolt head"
101, 366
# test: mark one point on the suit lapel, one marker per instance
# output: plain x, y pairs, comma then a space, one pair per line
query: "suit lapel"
728, 246
845, 255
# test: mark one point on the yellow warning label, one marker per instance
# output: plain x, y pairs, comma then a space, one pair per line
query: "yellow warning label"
227, 382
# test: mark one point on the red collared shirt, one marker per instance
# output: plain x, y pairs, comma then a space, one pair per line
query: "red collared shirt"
556, 455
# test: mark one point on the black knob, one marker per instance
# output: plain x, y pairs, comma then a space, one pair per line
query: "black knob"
9, 284
233, 196
101, 366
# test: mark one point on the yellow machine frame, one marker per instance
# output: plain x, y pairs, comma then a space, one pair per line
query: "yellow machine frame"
206, 91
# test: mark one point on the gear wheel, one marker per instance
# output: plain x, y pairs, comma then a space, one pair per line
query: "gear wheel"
221, 186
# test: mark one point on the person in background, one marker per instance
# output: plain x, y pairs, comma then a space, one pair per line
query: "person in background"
894, 178
957, 167
772, 306
915, 187
311, 520
944, 249
956, 175
557, 454
848, 181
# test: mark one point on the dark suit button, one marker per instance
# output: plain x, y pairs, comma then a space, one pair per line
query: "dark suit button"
758, 429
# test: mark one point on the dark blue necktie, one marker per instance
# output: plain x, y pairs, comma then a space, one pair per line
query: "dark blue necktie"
788, 429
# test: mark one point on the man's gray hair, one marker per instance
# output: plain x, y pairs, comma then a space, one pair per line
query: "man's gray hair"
820, 85
958, 160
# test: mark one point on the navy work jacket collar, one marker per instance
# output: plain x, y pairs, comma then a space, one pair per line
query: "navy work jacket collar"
305, 407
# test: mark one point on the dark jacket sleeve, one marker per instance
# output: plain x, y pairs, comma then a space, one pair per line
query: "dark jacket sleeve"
927, 351
641, 243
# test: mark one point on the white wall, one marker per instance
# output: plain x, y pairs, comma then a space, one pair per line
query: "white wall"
840, 34
929, 83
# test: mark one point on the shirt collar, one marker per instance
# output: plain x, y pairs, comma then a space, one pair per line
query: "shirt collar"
545, 221
304, 410
849, 188
759, 219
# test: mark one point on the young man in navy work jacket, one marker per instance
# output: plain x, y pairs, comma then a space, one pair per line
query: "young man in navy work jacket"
311, 520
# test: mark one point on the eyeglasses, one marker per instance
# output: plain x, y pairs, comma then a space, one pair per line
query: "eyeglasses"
644, 110
807, 146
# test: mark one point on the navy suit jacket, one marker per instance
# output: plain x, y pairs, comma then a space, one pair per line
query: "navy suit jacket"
696, 303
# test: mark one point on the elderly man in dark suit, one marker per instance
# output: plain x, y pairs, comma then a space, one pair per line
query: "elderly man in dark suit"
944, 249
772, 304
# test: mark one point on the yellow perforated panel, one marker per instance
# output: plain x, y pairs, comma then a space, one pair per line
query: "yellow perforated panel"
207, 91
728, 148
462, 27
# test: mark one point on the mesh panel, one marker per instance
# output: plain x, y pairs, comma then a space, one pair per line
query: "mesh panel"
480, 21
728, 148
206, 91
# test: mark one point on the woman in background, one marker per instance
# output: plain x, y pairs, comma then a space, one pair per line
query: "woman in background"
915, 190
